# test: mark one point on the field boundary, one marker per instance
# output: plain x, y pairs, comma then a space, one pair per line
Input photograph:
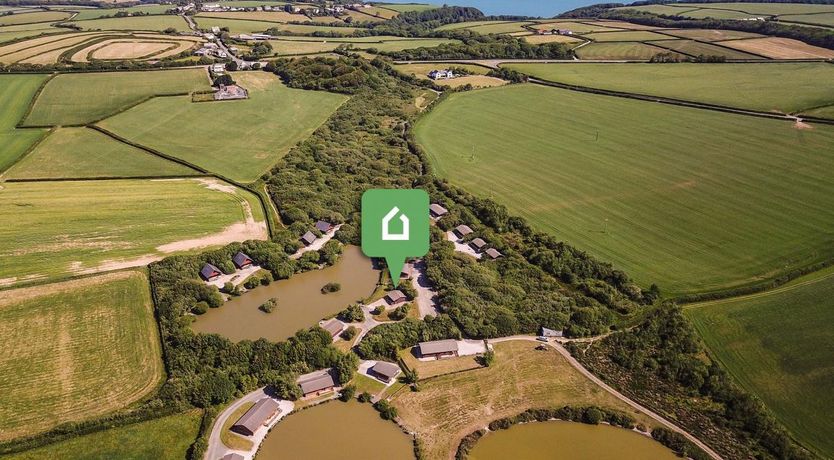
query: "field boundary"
24, 154
34, 99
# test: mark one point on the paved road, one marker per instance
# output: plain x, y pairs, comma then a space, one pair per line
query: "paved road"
578, 366
426, 295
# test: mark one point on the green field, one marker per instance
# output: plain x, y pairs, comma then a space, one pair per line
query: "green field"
310, 45
238, 139
694, 200
695, 49
633, 51
767, 8
780, 346
77, 99
86, 153
824, 19
61, 228
93, 13
8, 33
764, 84
245, 26
75, 350
34, 17
626, 36
404, 7
155, 23
500, 28
166, 438
711, 35
16, 91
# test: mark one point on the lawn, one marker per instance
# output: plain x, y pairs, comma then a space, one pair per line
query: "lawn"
86, 153
692, 199
778, 345
449, 407
75, 350
633, 51
434, 368
61, 228
238, 139
167, 438
160, 23
16, 91
764, 84
363, 383
77, 99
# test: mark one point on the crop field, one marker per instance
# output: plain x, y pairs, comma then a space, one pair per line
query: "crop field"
132, 49
268, 16
819, 14
632, 51
245, 26
258, 130
77, 99
764, 84
115, 45
780, 48
75, 350
16, 92
50, 42
34, 17
94, 13
312, 45
694, 48
73, 227
626, 36
539, 39
822, 112
728, 201
8, 33
86, 153
711, 35
157, 23
778, 345
452, 406
167, 438
575, 27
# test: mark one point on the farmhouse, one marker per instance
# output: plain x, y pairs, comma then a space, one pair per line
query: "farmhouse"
210, 273
493, 253
545, 332
316, 383
437, 211
441, 74
462, 230
384, 371
394, 297
334, 327
478, 244
438, 349
241, 260
323, 226
257, 416
308, 238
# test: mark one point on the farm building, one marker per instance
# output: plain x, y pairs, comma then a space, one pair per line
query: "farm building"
478, 244
545, 332
437, 211
334, 327
395, 297
308, 238
257, 416
241, 260
445, 74
438, 349
493, 253
210, 273
218, 68
230, 92
316, 383
323, 226
462, 230
384, 371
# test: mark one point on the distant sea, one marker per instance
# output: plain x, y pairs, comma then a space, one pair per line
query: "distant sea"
542, 8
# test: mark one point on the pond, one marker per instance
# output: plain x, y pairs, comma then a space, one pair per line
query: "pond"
300, 301
576, 441
336, 430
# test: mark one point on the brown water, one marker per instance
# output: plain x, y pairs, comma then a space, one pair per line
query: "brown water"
338, 431
576, 441
300, 301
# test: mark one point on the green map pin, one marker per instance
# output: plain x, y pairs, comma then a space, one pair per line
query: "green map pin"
395, 225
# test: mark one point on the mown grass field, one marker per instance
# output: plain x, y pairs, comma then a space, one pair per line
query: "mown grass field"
626, 36
21, 50
632, 51
166, 438
780, 346
695, 49
16, 92
245, 26
404, 7
93, 13
86, 153
782, 87
33, 17
8, 33
452, 406
60, 228
157, 23
711, 35
238, 139
76, 99
691, 199
312, 45
75, 350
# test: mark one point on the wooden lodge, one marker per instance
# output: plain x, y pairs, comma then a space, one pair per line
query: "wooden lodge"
257, 416
394, 297
316, 383
438, 349
384, 371
324, 226
242, 261
308, 238
210, 273
462, 230
437, 211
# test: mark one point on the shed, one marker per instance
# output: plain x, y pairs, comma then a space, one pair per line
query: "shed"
478, 244
493, 253
385, 371
438, 349
210, 273
308, 238
545, 332
256, 417
395, 297
241, 260
316, 383
437, 211
323, 226
462, 230
334, 327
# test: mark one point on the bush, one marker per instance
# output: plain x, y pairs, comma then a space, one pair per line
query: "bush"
347, 393
386, 410
378, 310
349, 333
352, 314
364, 397
269, 306
200, 308
331, 287
487, 359
592, 416
400, 312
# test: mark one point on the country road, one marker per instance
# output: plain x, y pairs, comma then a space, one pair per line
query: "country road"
578, 366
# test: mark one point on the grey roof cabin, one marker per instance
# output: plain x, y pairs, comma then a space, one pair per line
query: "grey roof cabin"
323, 226
241, 260
334, 327
493, 253
385, 371
209, 272
308, 238
316, 383
437, 211
438, 348
462, 230
256, 416
478, 244
395, 296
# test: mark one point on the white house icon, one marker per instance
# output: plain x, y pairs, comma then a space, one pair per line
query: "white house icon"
388, 236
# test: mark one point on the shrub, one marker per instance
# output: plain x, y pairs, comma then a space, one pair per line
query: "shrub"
349, 333
347, 393
386, 410
199, 308
331, 287
351, 314
364, 397
400, 312
269, 306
